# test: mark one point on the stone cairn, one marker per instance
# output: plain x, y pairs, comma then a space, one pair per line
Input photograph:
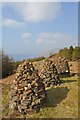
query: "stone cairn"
29, 90
49, 74
62, 66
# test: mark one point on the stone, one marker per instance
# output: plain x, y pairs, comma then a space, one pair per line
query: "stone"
62, 66
29, 91
49, 74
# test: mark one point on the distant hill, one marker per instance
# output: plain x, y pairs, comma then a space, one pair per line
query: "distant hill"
49, 52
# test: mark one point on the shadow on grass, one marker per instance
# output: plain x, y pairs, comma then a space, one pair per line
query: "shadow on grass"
55, 96
67, 81
72, 74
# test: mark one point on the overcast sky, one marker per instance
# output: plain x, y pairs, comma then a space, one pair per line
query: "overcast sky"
32, 28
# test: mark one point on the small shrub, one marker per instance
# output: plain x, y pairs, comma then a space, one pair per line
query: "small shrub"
36, 59
7, 65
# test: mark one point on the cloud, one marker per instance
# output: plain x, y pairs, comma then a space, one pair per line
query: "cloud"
38, 11
12, 23
55, 39
46, 38
26, 36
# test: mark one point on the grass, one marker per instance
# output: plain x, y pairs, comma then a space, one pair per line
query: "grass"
61, 102
5, 99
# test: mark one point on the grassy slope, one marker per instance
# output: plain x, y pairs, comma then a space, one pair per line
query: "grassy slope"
4, 104
62, 101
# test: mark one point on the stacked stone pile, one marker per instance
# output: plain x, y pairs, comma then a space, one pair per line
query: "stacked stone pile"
49, 74
62, 66
28, 91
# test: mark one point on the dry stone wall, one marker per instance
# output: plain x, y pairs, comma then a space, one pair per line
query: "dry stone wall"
28, 90
49, 74
62, 66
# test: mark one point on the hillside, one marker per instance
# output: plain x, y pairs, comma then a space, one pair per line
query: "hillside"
62, 101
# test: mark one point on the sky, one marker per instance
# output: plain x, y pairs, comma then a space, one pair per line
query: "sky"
31, 29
